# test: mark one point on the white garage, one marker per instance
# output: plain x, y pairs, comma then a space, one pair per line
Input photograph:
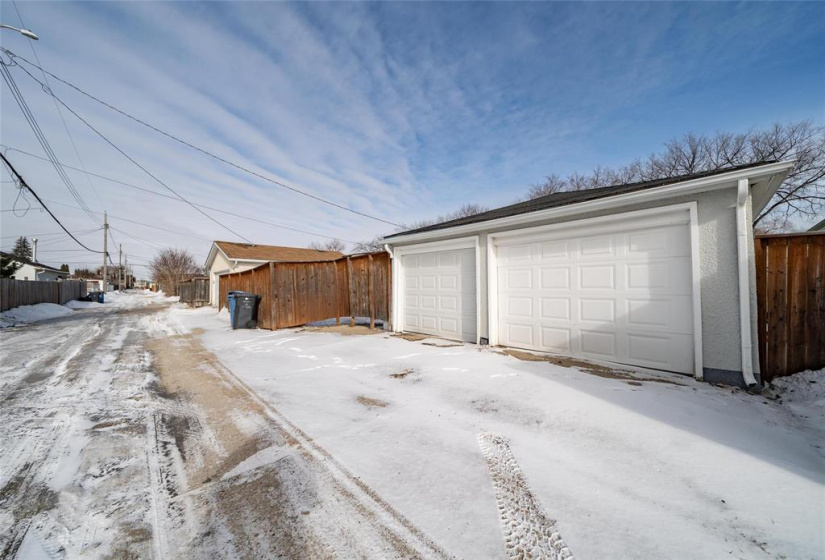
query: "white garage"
439, 292
658, 274
621, 292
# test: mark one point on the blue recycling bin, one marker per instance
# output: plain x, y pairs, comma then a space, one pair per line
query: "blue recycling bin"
100, 297
243, 310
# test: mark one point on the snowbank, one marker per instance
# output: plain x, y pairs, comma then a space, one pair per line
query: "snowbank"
32, 313
804, 395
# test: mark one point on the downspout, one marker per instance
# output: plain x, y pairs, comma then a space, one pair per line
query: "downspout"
393, 290
744, 282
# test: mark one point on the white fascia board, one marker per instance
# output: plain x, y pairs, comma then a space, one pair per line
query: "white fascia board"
445, 245
634, 219
210, 258
704, 184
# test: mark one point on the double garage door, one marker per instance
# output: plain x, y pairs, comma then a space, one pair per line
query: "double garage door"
623, 295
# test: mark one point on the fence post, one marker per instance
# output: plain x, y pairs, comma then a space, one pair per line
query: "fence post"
371, 290
349, 292
337, 289
273, 294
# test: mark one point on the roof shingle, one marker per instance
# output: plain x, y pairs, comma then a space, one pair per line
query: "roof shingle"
567, 198
247, 252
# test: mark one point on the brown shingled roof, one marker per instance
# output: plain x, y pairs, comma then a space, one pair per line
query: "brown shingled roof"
247, 252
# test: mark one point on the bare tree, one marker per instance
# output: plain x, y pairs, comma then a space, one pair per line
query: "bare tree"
171, 267
372, 246
463, 212
331, 245
802, 194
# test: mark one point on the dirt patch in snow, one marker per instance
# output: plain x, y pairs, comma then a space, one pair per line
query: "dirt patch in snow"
402, 374
371, 403
346, 330
412, 337
586, 367
437, 345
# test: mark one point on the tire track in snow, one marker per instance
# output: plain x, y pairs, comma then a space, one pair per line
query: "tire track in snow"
528, 532
409, 541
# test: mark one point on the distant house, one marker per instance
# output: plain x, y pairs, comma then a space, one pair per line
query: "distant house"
225, 256
31, 270
818, 227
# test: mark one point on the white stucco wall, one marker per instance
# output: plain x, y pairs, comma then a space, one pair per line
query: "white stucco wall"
718, 266
222, 265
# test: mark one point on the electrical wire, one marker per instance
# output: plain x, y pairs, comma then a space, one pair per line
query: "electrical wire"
46, 208
199, 149
116, 181
40, 136
127, 156
56, 106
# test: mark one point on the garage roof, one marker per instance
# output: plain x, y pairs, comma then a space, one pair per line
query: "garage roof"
249, 252
572, 197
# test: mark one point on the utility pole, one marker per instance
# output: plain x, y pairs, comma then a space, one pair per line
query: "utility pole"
120, 268
126, 266
105, 251
34, 251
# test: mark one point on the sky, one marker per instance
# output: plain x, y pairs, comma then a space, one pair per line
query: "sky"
401, 111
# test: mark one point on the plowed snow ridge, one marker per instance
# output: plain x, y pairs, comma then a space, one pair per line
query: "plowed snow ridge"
528, 532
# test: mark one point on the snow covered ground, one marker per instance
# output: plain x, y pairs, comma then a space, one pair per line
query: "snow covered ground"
26, 314
617, 468
142, 428
132, 299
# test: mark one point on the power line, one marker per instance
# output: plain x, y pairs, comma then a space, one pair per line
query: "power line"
127, 156
134, 221
40, 136
56, 106
117, 181
46, 234
194, 147
46, 208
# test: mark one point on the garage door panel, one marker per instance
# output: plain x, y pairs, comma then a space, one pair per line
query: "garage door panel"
556, 339
624, 296
597, 310
554, 278
599, 246
599, 343
520, 334
555, 308
440, 294
597, 277
519, 306
673, 352
554, 250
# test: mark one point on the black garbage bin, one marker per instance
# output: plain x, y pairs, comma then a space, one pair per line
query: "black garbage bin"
243, 310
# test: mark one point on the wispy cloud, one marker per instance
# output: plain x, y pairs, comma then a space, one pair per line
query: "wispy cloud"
402, 110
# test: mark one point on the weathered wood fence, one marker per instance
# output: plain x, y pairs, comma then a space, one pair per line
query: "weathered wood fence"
294, 294
14, 293
195, 292
790, 287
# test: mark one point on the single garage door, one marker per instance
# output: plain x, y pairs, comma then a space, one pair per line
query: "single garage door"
440, 294
623, 296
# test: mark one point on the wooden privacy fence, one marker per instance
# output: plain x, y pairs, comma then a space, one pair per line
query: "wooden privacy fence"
14, 293
294, 294
195, 292
790, 287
